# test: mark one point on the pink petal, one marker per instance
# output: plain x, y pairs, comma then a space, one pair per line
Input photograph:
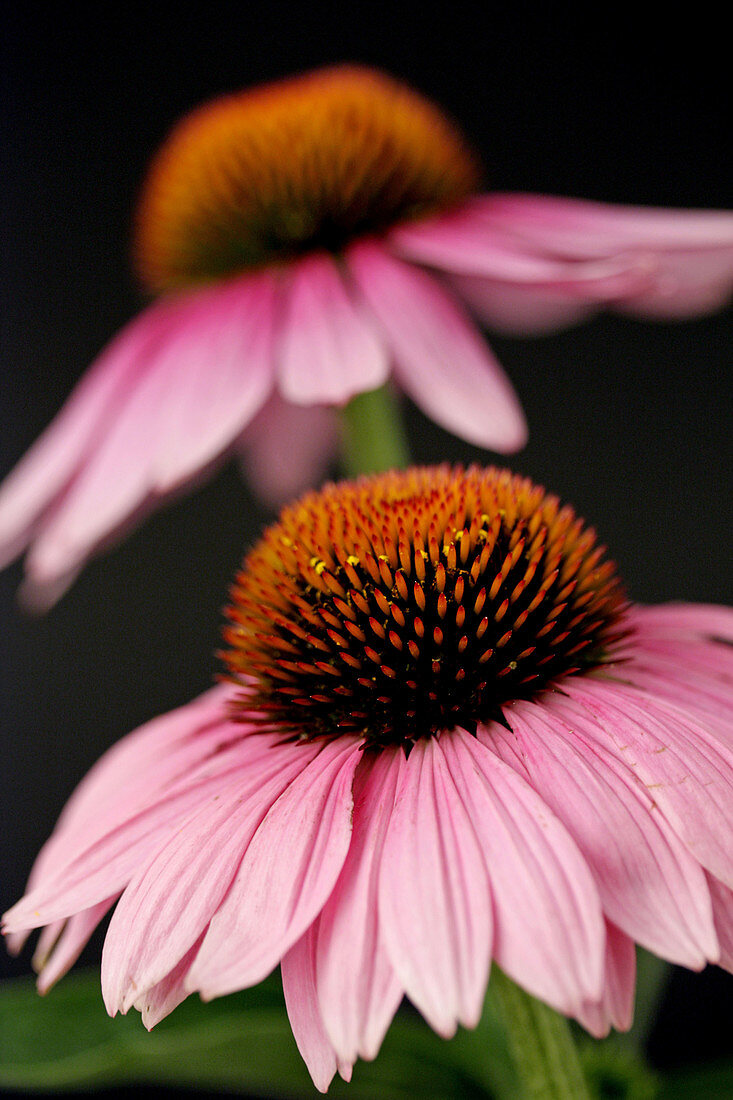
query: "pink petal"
171, 901
112, 484
693, 655
465, 243
45, 471
329, 351
439, 357
649, 884
358, 991
691, 674
576, 228
133, 773
159, 1001
683, 619
434, 903
616, 1007
285, 877
299, 986
70, 944
172, 423
723, 915
686, 284
288, 449
688, 773
550, 934
689, 252
107, 862
221, 366
519, 309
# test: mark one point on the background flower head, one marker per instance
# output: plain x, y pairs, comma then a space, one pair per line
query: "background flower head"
312, 239
449, 739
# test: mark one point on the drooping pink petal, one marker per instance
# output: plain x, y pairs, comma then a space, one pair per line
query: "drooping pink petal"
649, 884
519, 309
106, 863
690, 674
549, 930
159, 1001
439, 357
298, 969
578, 228
133, 773
358, 990
288, 448
434, 902
69, 946
707, 659
55, 458
690, 252
616, 1007
221, 365
463, 242
688, 773
170, 902
144, 451
287, 872
329, 350
674, 620
723, 916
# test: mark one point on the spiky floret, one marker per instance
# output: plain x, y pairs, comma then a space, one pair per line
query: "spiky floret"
303, 163
405, 603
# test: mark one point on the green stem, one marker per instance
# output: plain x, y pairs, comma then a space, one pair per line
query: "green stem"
373, 438
541, 1044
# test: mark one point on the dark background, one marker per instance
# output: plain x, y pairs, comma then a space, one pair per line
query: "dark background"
629, 421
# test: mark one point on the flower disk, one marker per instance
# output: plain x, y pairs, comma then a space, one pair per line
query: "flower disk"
304, 163
403, 604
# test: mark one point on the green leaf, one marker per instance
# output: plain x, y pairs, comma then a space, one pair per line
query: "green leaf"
240, 1043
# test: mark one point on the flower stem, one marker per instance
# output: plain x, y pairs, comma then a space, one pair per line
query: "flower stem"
542, 1047
372, 434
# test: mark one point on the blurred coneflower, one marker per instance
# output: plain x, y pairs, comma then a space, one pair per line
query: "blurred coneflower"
308, 241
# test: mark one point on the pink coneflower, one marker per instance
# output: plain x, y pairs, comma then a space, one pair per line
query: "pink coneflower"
445, 738
311, 240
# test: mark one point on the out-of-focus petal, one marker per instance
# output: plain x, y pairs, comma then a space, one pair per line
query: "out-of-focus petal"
46, 470
328, 349
439, 357
288, 448
463, 243
221, 369
516, 309
580, 228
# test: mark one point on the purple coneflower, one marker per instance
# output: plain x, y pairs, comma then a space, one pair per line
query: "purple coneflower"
444, 737
310, 240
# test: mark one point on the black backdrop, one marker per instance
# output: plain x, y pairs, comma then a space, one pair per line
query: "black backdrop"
629, 421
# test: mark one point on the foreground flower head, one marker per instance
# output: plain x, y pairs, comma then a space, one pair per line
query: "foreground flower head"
446, 738
310, 240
